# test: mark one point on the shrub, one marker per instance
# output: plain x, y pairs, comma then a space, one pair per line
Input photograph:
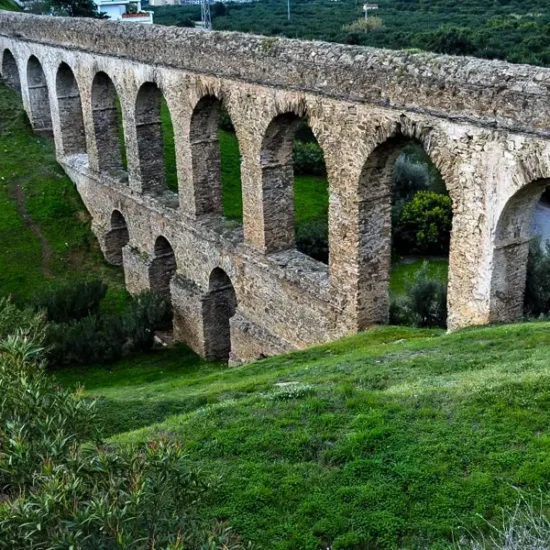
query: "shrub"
87, 341
102, 338
146, 312
308, 158
185, 22
30, 323
39, 422
62, 488
364, 25
537, 288
71, 302
425, 304
425, 224
525, 527
312, 239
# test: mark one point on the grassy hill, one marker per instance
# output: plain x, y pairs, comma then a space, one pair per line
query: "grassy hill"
394, 438
45, 228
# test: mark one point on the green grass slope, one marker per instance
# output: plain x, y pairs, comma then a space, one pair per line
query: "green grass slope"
390, 439
45, 229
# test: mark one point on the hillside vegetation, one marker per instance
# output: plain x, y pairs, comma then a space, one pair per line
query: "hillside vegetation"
394, 438
505, 29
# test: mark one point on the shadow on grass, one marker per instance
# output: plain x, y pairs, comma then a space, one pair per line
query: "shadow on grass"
118, 416
138, 369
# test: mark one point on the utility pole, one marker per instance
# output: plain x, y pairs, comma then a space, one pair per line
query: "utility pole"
206, 18
288, 9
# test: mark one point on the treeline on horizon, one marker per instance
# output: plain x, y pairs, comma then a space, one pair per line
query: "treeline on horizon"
515, 31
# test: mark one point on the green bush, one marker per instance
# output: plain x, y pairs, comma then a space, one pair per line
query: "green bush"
537, 288
102, 338
61, 487
308, 158
425, 224
87, 341
146, 312
30, 323
71, 302
312, 239
425, 304
38, 420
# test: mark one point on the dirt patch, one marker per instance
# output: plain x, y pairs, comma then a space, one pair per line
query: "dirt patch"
18, 194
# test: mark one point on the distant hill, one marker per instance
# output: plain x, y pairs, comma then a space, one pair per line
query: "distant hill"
505, 29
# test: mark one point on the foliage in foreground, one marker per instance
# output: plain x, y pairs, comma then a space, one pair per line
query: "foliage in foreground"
62, 487
425, 303
524, 527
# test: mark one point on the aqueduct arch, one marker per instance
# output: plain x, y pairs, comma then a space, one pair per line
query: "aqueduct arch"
375, 237
163, 268
10, 72
513, 237
205, 155
481, 132
152, 162
277, 164
39, 99
73, 135
116, 239
220, 305
106, 120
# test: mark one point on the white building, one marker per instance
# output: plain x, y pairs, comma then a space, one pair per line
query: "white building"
124, 10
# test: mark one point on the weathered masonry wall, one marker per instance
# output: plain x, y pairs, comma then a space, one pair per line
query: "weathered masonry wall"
246, 291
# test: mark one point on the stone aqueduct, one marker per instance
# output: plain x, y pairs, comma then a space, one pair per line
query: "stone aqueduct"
246, 290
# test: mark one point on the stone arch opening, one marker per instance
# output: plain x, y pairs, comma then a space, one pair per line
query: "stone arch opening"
10, 72
295, 188
155, 137
39, 99
220, 305
108, 127
395, 239
163, 269
514, 233
215, 158
73, 135
116, 239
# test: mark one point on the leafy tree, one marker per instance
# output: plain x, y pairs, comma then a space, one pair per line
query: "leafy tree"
425, 224
219, 9
364, 25
76, 8
452, 40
